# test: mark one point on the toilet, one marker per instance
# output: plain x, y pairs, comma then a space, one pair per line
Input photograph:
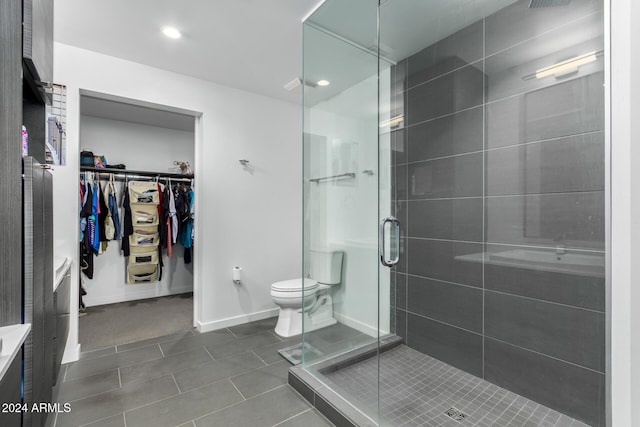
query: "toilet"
325, 272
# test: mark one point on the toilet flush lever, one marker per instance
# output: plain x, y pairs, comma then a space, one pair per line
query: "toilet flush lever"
394, 243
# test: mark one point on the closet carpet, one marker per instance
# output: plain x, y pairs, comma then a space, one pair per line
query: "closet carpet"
126, 322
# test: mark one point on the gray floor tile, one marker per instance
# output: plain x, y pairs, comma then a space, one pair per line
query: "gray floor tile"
184, 407
269, 353
88, 367
88, 386
264, 410
115, 401
260, 380
333, 334
114, 421
144, 343
97, 353
310, 418
254, 327
196, 341
230, 348
166, 365
207, 373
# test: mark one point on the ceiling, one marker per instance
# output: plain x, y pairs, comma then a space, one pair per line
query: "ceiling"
127, 112
254, 45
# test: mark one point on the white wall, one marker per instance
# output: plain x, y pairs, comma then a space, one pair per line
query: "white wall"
244, 216
625, 217
343, 214
140, 147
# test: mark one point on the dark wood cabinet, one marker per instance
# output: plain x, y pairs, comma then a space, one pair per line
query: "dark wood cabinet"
10, 162
10, 393
23, 68
37, 47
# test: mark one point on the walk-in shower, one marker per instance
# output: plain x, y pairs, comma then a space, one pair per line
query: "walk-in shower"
478, 126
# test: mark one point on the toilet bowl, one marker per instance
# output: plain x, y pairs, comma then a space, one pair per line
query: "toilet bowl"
308, 301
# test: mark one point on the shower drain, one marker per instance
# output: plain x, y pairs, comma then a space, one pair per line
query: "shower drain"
455, 414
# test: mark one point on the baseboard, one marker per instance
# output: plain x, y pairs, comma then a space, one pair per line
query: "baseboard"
144, 294
237, 320
372, 331
71, 355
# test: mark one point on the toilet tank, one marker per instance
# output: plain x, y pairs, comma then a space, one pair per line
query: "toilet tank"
326, 267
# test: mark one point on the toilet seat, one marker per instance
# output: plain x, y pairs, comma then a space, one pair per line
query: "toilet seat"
295, 286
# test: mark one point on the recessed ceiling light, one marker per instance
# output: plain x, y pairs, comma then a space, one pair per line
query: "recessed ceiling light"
323, 83
171, 32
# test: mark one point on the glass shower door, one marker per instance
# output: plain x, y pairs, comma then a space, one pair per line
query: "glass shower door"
494, 112
341, 178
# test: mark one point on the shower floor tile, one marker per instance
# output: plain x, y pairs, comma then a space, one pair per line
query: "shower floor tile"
417, 390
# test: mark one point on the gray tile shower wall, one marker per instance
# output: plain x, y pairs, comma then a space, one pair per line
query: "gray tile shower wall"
498, 181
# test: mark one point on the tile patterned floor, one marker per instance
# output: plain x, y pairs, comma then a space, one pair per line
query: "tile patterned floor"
417, 390
225, 378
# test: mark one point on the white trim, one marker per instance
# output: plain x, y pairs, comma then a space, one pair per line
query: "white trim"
622, 221
365, 328
197, 221
143, 294
71, 355
236, 320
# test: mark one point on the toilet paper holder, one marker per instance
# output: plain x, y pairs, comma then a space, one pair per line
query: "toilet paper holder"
237, 275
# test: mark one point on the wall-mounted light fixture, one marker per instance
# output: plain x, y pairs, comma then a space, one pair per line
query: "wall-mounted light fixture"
566, 67
393, 121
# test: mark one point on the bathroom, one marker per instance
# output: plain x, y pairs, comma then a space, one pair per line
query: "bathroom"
453, 224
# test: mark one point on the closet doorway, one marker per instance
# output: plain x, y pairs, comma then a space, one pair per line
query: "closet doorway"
137, 143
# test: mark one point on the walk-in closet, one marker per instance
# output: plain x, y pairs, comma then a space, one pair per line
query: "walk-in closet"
136, 241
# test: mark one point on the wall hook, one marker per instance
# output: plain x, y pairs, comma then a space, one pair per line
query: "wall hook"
244, 162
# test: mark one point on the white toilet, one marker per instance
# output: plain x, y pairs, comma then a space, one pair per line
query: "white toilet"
325, 271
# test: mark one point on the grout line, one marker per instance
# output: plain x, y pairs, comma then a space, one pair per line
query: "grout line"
495, 196
124, 417
236, 387
209, 353
546, 355
484, 184
510, 146
545, 33
234, 404
256, 354
445, 323
160, 347
176, 383
590, 310
451, 156
155, 401
294, 416
439, 76
119, 379
231, 332
475, 242
477, 288
530, 246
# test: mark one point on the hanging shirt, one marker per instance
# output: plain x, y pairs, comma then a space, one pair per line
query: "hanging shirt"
174, 217
127, 229
113, 208
95, 210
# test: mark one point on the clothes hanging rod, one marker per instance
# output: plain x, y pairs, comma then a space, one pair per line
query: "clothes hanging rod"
344, 175
123, 173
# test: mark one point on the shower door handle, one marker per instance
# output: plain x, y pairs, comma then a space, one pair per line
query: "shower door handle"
395, 241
